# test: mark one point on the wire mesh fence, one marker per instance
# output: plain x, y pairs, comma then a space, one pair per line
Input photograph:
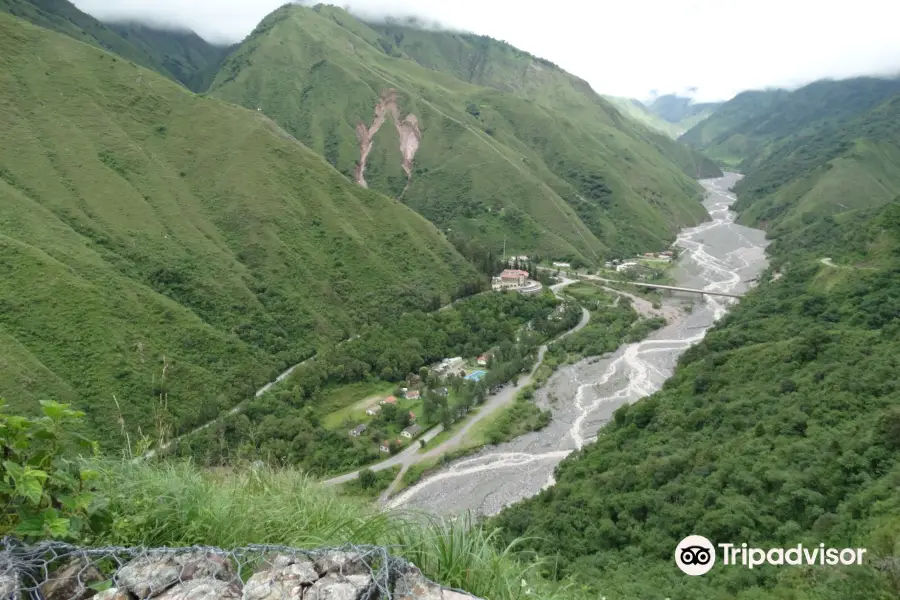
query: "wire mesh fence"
59, 571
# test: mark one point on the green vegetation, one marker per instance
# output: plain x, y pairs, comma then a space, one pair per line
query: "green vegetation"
349, 402
638, 111
370, 484
490, 63
180, 55
131, 503
164, 255
286, 424
835, 168
183, 54
681, 110
612, 324
522, 416
750, 126
780, 427
44, 493
545, 164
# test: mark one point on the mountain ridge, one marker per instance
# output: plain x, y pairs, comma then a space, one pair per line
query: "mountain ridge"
166, 254
180, 55
519, 169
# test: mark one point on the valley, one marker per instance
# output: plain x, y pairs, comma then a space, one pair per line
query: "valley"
720, 256
332, 277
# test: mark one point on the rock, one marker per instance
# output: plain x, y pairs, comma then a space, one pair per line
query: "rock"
114, 594
281, 583
339, 587
9, 585
71, 582
345, 563
204, 589
277, 561
151, 575
451, 595
412, 585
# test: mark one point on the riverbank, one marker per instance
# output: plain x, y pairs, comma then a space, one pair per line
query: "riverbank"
719, 256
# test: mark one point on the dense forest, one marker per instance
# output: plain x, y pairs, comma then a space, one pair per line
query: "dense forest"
781, 427
285, 425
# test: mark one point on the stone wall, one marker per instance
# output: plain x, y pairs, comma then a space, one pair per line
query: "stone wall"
55, 571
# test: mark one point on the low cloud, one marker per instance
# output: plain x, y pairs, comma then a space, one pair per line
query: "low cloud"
709, 49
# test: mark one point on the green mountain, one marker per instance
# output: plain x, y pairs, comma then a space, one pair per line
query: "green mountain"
539, 161
681, 111
183, 56
491, 63
832, 169
164, 254
743, 130
781, 427
639, 112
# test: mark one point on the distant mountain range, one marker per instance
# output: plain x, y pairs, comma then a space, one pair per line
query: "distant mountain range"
670, 114
825, 148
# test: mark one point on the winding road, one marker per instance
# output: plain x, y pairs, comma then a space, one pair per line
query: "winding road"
719, 256
411, 455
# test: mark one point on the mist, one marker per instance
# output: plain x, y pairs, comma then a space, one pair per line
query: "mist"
707, 49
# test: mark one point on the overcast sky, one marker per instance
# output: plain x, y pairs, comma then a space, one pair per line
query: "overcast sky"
626, 48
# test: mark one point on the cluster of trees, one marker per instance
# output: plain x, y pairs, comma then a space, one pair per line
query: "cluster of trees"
285, 425
781, 427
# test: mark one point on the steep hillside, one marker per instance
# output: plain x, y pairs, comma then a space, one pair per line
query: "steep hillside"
781, 427
749, 127
183, 56
832, 169
639, 112
681, 111
525, 167
719, 135
189, 58
491, 63
164, 255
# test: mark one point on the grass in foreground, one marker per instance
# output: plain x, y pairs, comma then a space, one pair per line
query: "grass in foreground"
176, 504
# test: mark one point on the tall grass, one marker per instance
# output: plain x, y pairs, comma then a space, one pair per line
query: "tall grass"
177, 504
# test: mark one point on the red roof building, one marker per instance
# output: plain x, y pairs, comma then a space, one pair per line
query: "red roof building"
513, 278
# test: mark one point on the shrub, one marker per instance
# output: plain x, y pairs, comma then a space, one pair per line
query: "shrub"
44, 494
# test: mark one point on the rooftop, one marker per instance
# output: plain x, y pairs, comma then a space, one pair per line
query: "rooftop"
513, 273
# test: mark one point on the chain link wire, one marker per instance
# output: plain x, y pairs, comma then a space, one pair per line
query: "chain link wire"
76, 573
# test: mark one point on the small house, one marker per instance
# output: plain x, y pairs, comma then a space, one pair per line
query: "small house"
441, 392
411, 431
373, 410
482, 360
385, 447
359, 430
412, 395
389, 400
563, 265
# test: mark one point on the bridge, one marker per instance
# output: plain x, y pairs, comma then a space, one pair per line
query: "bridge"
680, 289
657, 286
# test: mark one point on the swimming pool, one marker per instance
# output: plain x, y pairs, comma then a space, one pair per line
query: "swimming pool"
476, 375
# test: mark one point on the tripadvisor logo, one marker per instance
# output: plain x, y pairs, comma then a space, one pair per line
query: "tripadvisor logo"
696, 555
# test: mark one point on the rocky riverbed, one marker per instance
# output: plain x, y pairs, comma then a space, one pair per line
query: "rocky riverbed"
719, 256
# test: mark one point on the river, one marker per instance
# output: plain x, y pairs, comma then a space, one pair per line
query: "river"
719, 255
